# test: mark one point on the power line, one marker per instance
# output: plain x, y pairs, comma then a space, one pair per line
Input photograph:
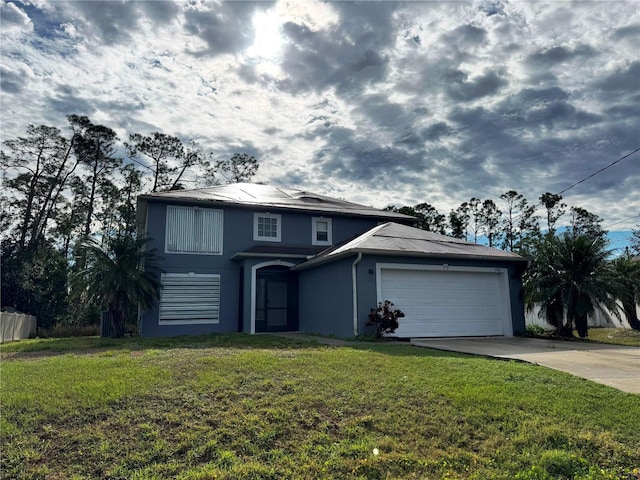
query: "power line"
599, 171
539, 204
622, 221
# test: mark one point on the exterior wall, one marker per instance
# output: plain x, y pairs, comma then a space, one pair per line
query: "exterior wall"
235, 275
367, 286
198, 264
325, 294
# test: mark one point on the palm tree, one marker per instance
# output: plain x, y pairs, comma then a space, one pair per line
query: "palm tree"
628, 272
570, 278
115, 277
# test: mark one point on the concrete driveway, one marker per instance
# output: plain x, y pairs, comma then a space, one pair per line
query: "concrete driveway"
612, 365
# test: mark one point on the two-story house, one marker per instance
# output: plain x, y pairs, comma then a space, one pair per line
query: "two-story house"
256, 258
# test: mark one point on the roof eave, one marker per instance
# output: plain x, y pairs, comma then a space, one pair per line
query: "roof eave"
396, 253
241, 255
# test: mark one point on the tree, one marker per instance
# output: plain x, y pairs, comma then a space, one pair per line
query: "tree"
71, 217
94, 149
586, 223
490, 220
475, 217
429, 219
459, 221
518, 221
115, 277
40, 166
169, 158
132, 186
239, 168
634, 240
555, 209
34, 282
570, 278
628, 275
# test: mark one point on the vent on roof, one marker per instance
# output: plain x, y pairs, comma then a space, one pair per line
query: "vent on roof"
308, 198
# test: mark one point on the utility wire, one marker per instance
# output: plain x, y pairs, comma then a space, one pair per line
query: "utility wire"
599, 171
622, 221
539, 204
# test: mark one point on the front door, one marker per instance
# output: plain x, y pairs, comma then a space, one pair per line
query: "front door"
276, 300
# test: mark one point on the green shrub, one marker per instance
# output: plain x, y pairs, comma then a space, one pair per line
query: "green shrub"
535, 331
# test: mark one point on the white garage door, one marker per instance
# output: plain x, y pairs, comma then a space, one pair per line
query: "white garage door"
447, 303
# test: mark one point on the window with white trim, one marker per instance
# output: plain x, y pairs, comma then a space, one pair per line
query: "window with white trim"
267, 227
189, 299
194, 230
321, 231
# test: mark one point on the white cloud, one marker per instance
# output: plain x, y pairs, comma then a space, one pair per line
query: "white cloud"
379, 103
14, 20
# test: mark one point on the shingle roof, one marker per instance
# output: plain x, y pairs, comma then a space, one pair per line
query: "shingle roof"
253, 195
395, 239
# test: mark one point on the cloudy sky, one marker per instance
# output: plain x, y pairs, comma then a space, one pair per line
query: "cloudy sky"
378, 103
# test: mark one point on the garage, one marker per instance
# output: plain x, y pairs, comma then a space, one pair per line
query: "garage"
446, 287
444, 301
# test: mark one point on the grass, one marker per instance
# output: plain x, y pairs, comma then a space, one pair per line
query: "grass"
239, 406
616, 336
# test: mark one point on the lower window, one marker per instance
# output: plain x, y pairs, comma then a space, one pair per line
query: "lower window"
189, 298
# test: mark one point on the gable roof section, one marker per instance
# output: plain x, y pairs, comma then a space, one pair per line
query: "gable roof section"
395, 239
270, 197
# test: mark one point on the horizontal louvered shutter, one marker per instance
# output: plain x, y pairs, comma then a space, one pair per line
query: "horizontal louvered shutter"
190, 298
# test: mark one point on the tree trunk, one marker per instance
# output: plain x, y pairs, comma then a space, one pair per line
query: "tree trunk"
582, 326
564, 331
117, 322
632, 315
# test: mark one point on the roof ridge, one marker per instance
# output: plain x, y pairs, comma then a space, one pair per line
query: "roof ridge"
361, 238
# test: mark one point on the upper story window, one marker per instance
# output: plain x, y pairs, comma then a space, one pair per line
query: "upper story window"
321, 231
267, 227
194, 230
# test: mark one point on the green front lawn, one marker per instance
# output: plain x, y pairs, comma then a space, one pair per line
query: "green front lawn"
263, 407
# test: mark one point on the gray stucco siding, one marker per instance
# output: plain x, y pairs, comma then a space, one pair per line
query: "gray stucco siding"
326, 299
198, 264
228, 310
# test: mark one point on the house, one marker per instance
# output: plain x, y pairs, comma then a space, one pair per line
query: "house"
257, 258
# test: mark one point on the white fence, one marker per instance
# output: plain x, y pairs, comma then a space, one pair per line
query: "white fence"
16, 326
600, 318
